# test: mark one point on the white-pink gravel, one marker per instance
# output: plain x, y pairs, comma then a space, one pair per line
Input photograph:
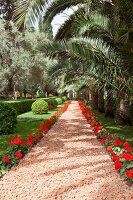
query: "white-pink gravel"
69, 163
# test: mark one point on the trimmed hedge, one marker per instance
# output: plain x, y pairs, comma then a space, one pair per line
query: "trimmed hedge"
21, 106
59, 100
39, 107
52, 103
8, 119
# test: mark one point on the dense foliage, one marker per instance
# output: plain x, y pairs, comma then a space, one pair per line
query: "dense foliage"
8, 119
52, 103
39, 107
59, 100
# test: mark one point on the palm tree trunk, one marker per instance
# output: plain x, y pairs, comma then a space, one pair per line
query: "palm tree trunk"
101, 98
109, 105
123, 109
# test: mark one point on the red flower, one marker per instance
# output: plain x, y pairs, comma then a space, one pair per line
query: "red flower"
109, 148
129, 173
128, 149
18, 154
45, 130
110, 138
127, 156
118, 165
118, 142
115, 158
18, 140
102, 140
39, 136
126, 144
6, 160
30, 136
29, 142
113, 153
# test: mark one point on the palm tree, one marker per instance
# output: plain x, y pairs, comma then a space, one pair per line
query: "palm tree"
115, 34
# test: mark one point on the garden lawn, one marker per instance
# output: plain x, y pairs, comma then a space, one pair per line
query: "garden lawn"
123, 132
25, 127
32, 117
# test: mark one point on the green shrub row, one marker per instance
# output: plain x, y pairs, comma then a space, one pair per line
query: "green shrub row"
8, 119
52, 103
9, 111
23, 106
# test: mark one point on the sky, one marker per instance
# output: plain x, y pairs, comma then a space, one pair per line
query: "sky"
59, 19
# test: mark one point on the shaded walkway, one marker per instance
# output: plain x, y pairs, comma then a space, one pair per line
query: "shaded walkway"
69, 163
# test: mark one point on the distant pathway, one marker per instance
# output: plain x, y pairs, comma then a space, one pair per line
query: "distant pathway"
69, 163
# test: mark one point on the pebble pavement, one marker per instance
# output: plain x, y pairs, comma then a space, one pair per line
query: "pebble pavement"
68, 164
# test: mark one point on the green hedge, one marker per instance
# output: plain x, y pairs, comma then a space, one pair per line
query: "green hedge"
24, 105
52, 103
21, 106
8, 119
59, 100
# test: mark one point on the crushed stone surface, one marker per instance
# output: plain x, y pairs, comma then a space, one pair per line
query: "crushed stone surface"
68, 164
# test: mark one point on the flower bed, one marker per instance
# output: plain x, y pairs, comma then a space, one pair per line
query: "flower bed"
121, 152
18, 148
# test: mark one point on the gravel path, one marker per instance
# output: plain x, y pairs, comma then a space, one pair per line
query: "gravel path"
69, 163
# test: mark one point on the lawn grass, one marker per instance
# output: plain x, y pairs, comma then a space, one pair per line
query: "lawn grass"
30, 116
25, 127
123, 132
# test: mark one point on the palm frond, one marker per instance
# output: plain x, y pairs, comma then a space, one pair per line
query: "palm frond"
28, 11
58, 6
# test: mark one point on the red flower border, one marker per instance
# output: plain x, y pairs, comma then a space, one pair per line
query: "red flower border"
121, 152
18, 147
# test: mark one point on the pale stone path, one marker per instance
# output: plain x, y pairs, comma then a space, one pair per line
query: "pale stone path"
69, 163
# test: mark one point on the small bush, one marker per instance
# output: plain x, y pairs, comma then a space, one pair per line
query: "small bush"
39, 107
59, 100
52, 103
64, 99
8, 119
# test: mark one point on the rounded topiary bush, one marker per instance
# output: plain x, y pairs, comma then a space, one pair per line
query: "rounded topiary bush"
8, 119
39, 107
59, 100
52, 103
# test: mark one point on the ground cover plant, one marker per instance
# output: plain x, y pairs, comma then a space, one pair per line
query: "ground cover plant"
120, 150
123, 132
18, 147
26, 124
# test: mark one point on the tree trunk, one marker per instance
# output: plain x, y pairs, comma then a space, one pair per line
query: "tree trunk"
101, 98
109, 106
123, 109
95, 100
10, 89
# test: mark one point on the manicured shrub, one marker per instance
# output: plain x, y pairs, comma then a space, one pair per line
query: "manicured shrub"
64, 99
21, 106
52, 103
8, 119
39, 107
59, 100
